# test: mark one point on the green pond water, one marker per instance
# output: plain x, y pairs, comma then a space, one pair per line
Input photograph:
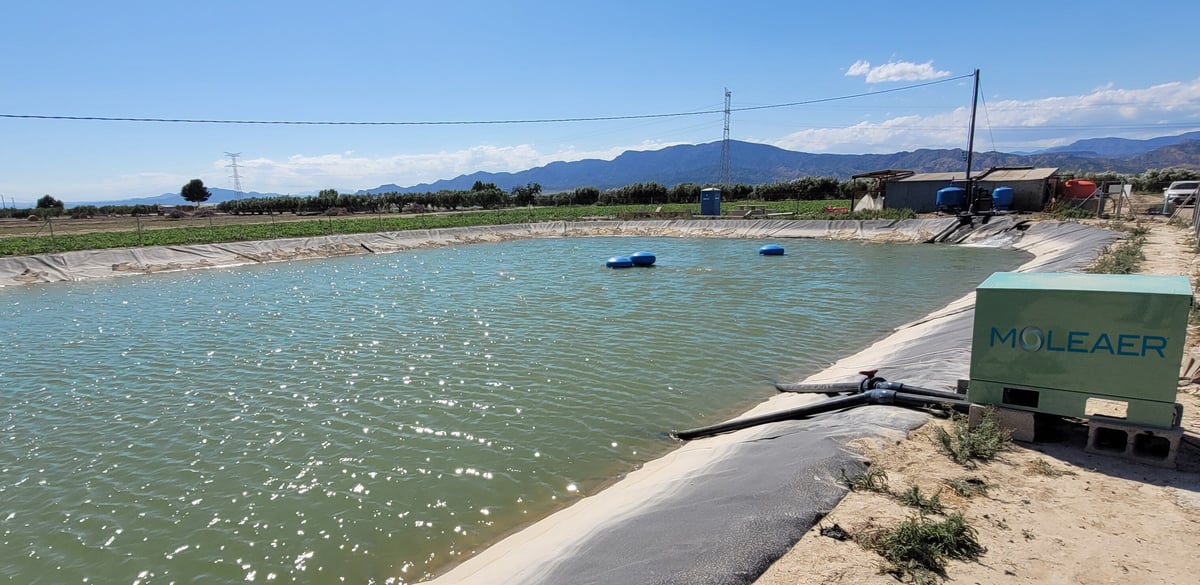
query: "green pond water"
372, 419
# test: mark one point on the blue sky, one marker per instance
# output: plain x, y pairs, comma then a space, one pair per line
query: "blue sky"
1051, 73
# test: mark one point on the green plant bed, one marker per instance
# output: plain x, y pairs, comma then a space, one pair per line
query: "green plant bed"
365, 223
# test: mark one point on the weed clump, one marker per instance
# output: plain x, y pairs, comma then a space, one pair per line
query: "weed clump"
1126, 257
983, 443
1069, 213
924, 504
872, 479
1042, 467
967, 487
919, 547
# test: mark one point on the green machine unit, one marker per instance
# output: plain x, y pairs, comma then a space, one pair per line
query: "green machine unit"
1081, 345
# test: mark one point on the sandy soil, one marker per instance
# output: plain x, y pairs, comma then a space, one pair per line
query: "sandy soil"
1053, 513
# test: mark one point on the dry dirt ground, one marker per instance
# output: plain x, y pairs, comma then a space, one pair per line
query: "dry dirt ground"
1053, 513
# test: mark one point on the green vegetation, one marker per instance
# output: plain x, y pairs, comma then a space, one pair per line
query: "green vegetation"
983, 443
195, 191
862, 215
1043, 467
919, 547
48, 202
1068, 213
215, 232
967, 487
872, 479
1126, 257
1152, 180
913, 498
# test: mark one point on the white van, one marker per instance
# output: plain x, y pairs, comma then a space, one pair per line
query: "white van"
1181, 192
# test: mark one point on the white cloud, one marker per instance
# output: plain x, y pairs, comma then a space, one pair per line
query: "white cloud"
1160, 110
859, 67
345, 171
895, 71
350, 172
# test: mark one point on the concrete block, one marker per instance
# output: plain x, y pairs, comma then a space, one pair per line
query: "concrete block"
1022, 424
1148, 445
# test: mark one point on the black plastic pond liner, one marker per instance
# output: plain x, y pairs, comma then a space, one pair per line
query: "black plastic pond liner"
874, 396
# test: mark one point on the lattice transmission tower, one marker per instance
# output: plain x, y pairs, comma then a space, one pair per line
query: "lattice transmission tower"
237, 179
723, 179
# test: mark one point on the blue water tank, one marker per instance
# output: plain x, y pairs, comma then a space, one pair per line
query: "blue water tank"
951, 198
619, 262
642, 258
1002, 198
710, 201
771, 250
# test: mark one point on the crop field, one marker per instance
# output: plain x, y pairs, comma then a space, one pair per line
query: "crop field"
21, 237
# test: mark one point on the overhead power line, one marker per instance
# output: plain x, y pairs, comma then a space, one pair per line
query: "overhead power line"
468, 122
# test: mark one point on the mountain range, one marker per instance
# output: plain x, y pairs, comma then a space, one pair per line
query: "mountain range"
753, 163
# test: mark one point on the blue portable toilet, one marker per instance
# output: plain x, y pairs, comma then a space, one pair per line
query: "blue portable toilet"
710, 201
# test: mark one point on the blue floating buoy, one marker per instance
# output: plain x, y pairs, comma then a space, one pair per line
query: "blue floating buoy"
642, 258
619, 262
771, 250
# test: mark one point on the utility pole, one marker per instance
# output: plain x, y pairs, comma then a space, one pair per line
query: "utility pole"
971, 145
723, 178
237, 180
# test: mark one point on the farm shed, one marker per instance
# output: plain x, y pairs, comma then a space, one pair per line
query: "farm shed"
876, 186
919, 192
1032, 187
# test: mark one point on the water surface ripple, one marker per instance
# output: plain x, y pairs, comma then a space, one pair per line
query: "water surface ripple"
374, 418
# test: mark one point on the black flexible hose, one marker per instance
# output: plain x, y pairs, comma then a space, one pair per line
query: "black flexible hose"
876, 396
789, 414
901, 387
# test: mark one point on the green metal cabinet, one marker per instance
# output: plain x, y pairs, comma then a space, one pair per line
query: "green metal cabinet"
1081, 345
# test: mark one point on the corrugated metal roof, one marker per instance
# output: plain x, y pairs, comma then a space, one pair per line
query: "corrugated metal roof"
1039, 174
885, 175
926, 177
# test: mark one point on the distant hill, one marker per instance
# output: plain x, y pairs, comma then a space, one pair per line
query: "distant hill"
754, 163
1121, 147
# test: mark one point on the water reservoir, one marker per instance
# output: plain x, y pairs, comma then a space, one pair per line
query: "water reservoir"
374, 418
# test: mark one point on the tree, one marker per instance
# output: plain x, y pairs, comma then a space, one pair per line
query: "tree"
195, 191
48, 202
527, 194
